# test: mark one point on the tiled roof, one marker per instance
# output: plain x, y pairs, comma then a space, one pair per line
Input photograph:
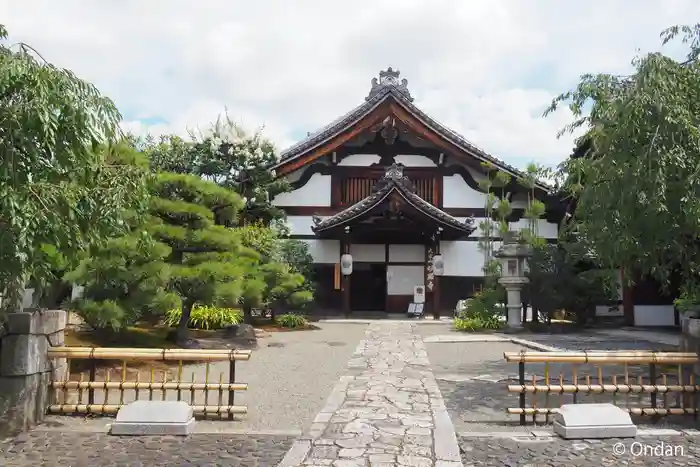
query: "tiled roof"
393, 180
389, 87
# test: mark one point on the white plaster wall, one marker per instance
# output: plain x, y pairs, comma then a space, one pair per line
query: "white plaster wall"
359, 160
370, 253
654, 315
414, 160
406, 253
324, 251
457, 194
301, 225
462, 258
545, 229
316, 192
402, 279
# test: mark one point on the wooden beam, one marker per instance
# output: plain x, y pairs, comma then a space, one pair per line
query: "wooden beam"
373, 117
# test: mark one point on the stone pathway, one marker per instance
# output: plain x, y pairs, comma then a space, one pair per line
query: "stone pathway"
388, 412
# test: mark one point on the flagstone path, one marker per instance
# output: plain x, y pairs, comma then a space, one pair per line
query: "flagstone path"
388, 411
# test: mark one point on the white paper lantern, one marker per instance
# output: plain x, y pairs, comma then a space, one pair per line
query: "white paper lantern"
438, 265
346, 264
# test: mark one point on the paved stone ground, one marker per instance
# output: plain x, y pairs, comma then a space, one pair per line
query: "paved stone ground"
390, 414
556, 452
72, 449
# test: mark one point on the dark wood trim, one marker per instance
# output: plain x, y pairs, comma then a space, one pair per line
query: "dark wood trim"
377, 115
317, 168
329, 211
467, 239
344, 249
436, 285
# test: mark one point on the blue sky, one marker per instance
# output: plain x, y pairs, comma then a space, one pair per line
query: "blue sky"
485, 69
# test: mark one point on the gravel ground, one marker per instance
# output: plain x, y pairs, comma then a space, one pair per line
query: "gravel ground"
289, 378
473, 378
468, 374
557, 452
73, 449
596, 341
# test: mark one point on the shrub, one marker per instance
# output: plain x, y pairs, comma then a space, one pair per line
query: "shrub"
484, 305
472, 324
292, 321
206, 317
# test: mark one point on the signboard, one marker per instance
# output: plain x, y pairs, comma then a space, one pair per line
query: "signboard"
419, 294
415, 309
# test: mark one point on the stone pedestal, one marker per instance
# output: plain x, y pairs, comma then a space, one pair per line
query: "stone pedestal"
513, 286
154, 418
26, 370
580, 421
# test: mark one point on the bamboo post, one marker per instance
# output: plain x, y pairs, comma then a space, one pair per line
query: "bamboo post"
80, 390
93, 377
179, 379
546, 394
121, 386
152, 380
653, 395
534, 400
207, 369
192, 393
232, 380
105, 400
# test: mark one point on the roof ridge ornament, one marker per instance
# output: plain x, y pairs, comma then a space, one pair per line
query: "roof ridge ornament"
389, 79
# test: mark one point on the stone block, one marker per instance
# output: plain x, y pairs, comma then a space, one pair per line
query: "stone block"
154, 418
579, 421
36, 322
57, 339
24, 354
23, 402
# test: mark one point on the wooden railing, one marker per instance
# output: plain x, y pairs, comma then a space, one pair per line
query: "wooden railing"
624, 381
208, 398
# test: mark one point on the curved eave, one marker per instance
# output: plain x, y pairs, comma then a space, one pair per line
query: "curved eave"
359, 209
332, 130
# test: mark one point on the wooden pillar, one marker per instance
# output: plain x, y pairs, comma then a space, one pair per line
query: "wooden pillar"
436, 286
345, 284
432, 282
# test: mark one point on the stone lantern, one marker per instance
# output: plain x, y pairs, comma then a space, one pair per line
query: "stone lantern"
513, 256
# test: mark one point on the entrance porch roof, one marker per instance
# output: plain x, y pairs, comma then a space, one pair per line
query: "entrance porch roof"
393, 198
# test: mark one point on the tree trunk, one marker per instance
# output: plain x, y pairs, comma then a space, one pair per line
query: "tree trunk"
183, 326
247, 315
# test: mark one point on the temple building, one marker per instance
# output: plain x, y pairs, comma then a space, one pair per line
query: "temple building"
392, 187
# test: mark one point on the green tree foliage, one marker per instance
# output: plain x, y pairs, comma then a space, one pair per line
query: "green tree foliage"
208, 264
124, 281
565, 277
230, 157
637, 190
58, 192
279, 281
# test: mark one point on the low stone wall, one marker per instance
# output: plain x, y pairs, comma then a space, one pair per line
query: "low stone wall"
26, 370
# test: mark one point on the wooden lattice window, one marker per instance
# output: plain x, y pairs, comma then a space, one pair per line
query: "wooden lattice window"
354, 189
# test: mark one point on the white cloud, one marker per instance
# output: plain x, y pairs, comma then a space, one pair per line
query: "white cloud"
486, 69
